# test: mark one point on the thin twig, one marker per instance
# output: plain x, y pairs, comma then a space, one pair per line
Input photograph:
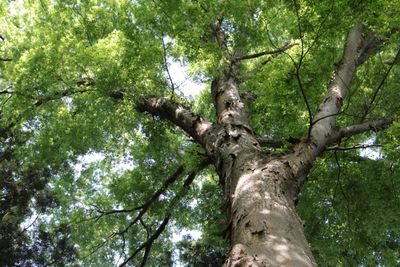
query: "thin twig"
358, 146
166, 63
382, 82
148, 243
27, 227
298, 67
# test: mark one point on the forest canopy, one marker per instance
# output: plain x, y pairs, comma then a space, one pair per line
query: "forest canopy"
105, 151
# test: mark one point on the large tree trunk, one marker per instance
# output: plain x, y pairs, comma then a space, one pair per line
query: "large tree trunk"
260, 191
265, 228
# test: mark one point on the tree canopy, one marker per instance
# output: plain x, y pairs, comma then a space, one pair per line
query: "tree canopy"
89, 177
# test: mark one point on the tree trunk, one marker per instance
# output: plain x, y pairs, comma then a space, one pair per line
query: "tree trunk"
265, 228
260, 191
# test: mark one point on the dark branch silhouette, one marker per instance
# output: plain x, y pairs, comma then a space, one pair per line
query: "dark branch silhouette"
272, 52
147, 245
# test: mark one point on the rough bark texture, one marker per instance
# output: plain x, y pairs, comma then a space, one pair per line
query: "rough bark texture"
261, 190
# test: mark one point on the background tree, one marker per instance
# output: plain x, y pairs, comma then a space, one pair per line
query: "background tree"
294, 91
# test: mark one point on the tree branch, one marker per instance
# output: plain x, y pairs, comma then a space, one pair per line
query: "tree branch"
166, 64
147, 245
220, 35
370, 104
358, 146
144, 207
356, 51
324, 131
348, 131
61, 94
260, 54
183, 117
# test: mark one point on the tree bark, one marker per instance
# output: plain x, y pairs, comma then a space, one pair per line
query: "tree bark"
265, 228
259, 189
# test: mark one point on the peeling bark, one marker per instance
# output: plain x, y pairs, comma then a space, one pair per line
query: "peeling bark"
266, 230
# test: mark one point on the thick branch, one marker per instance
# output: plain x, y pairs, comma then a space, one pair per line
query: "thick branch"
220, 36
324, 131
260, 54
183, 117
348, 131
357, 50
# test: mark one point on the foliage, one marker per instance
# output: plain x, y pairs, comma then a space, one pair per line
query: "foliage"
72, 72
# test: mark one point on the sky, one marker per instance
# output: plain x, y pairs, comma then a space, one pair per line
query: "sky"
180, 77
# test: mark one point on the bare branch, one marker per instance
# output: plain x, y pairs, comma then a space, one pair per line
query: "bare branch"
358, 146
370, 104
338, 183
297, 7
183, 117
298, 67
144, 207
348, 131
272, 52
5, 59
166, 64
123, 248
303, 93
147, 245
29, 226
